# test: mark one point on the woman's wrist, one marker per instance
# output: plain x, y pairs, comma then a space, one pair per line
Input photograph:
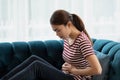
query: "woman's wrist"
74, 71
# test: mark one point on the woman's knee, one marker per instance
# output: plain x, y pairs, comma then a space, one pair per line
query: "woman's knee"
34, 56
36, 62
37, 65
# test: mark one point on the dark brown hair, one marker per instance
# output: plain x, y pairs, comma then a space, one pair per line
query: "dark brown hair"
61, 17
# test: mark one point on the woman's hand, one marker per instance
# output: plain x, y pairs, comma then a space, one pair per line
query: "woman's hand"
65, 67
68, 68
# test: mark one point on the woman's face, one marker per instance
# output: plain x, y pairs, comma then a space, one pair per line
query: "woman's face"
62, 31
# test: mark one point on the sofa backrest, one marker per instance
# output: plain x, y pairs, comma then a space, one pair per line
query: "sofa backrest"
12, 54
112, 49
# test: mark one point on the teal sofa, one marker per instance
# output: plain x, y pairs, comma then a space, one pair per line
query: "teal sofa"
14, 53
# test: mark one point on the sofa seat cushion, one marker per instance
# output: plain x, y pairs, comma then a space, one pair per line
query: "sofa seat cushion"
104, 61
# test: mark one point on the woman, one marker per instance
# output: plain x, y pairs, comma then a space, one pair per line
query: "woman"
80, 60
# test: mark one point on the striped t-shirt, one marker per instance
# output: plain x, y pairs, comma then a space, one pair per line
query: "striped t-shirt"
76, 53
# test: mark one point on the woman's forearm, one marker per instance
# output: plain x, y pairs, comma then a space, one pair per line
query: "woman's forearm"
86, 71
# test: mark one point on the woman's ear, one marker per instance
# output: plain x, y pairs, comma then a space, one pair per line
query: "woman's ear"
69, 23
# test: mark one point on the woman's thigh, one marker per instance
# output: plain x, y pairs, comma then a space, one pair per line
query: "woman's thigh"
23, 65
41, 70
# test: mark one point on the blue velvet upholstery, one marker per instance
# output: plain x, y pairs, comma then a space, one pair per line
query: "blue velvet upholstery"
112, 49
12, 54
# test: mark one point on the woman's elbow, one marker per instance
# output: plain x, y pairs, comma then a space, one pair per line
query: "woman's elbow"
98, 70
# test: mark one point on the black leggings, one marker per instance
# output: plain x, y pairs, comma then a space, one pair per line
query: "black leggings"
35, 68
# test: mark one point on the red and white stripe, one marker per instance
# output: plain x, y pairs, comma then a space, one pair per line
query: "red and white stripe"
76, 53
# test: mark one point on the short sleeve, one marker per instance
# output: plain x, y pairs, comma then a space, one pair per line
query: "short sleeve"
86, 48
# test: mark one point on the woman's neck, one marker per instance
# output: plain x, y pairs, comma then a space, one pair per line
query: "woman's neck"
73, 35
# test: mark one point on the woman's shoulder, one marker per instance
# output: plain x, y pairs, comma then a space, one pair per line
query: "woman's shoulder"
82, 36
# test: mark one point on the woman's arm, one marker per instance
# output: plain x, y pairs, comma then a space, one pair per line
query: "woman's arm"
95, 67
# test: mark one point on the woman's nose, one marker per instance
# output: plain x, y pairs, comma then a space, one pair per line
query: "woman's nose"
58, 34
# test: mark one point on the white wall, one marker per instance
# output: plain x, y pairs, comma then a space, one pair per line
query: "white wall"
23, 20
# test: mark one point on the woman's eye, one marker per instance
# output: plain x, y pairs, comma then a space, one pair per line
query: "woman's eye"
58, 30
